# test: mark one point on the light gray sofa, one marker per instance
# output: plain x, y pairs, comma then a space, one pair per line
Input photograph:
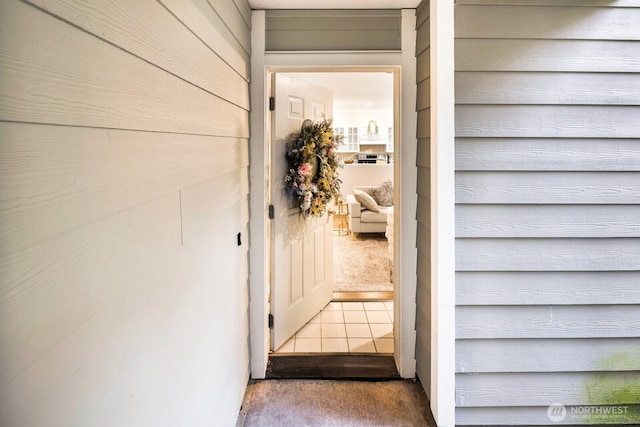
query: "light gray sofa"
363, 220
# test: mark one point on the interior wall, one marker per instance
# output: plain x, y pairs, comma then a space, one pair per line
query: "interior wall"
359, 98
361, 119
124, 185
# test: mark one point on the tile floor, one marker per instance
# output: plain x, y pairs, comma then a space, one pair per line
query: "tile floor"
346, 327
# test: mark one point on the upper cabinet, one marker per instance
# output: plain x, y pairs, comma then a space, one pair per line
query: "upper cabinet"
349, 137
354, 137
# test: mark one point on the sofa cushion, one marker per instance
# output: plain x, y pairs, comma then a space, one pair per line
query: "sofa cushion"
366, 200
370, 216
384, 194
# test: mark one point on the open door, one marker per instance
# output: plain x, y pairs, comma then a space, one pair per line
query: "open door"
301, 249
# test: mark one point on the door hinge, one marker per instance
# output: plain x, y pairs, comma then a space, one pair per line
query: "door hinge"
272, 103
272, 213
270, 321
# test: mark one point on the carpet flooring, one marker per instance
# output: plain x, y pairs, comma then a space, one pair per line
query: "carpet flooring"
324, 403
361, 264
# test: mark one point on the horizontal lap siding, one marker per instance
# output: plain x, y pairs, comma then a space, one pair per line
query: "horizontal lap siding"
423, 298
548, 321
547, 154
114, 89
546, 187
547, 287
125, 167
331, 30
592, 3
575, 23
533, 389
547, 55
548, 208
519, 254
547, 121
530, 87
123, 182
545, 221
544, 354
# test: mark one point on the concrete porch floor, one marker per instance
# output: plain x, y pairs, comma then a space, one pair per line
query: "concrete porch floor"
328, 403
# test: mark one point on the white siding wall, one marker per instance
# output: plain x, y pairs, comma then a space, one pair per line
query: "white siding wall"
123, 185
423, 298
547, 209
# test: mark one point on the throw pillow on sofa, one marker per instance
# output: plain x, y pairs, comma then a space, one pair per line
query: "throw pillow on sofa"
366, 200
384, 194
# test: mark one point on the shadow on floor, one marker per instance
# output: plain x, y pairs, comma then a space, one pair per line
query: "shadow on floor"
329, 403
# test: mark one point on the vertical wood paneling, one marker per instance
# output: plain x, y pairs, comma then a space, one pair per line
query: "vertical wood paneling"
547, 250
123, 185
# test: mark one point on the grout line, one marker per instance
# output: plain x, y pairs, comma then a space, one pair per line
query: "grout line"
344, 324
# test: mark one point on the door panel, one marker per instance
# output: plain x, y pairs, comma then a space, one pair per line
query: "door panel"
301, 249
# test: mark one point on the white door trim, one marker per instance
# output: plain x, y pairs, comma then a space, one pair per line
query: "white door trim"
258, 197
442, 156
403, 64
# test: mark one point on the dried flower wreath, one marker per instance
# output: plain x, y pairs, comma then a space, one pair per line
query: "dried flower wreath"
312, 180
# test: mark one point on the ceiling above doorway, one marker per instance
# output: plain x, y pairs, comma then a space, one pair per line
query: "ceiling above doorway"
355, 91
334, 4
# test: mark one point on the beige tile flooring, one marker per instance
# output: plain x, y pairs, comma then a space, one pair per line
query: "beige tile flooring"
346, 327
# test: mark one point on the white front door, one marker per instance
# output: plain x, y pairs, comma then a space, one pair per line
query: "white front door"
301, 249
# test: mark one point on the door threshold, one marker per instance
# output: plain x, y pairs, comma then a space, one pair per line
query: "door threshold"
362, 296
363, 366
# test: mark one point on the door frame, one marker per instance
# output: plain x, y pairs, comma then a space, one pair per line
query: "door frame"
403, 65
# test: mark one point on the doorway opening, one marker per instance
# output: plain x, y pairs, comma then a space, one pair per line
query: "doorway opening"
359, 319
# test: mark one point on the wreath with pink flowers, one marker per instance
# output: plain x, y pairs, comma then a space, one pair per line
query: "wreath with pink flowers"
312, 180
